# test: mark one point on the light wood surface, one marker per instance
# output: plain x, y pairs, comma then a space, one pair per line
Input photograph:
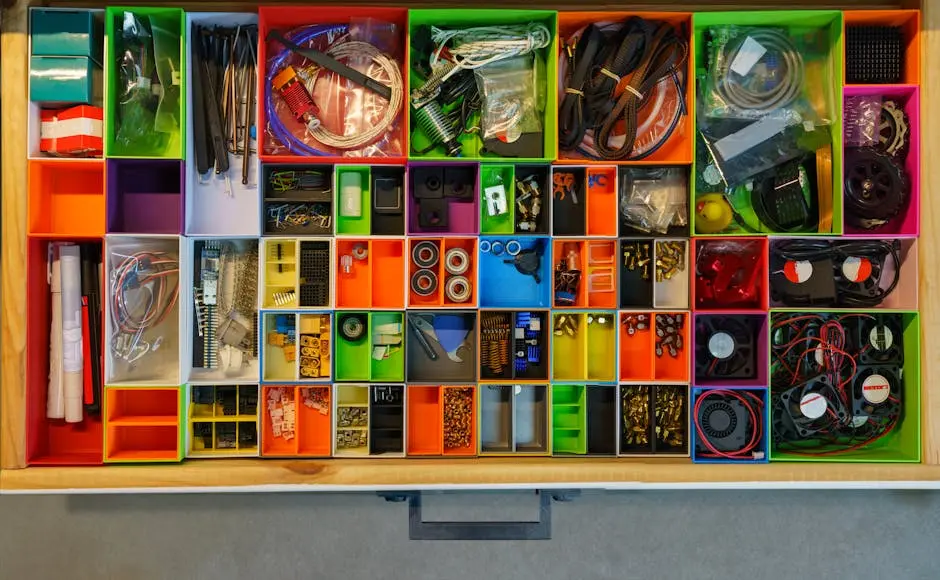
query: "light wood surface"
418, 473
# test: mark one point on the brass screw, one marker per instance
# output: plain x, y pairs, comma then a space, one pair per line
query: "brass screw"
635, 411
636, 255
669, 405
670, 258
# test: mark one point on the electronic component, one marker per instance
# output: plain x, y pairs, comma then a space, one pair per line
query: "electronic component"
726, 347
874, 54
729, 424
495, 196
727, 274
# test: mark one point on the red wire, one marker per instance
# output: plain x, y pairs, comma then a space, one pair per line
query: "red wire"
756, 415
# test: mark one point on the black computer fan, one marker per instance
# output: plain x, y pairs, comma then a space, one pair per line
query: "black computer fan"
876, 391
880, 340
805, 410
725, 347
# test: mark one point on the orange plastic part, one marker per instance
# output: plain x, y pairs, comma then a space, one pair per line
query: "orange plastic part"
425, 416
66, 198
636, 350
143, 443
353, 288
313, 426
142, 406
388, 273
469, 245
908, 20
436, 298
602, 201
676, 369
678, 148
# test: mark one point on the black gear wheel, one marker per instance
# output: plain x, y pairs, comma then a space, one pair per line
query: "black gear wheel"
876, 187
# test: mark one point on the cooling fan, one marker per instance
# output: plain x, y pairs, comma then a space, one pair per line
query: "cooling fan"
880, 340
725, 348
876, 392
729, 424
807, 409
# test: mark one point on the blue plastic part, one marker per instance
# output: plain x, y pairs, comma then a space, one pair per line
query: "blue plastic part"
501, 285
451, 330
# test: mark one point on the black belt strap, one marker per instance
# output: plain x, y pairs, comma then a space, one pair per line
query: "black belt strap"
580, 62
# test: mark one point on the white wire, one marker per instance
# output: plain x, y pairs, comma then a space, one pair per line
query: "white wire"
360, 49
476, 47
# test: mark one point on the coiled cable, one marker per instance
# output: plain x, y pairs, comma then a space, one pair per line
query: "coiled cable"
757, 96
347, 49
473, 48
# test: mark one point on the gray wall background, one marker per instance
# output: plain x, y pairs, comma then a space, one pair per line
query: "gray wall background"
674, 535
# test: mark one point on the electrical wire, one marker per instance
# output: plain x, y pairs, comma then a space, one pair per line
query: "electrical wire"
755, 409
806, 250
475, 47
156, 273
346, 49
757, 96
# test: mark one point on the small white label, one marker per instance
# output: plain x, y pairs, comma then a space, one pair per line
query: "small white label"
535, 324
876, 389
751, 52
721, 345
813, 405
856, 269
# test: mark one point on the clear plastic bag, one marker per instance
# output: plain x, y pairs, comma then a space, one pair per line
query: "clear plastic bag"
137, 99
861, 122
654, 199
510, 93
345, 109
755, 72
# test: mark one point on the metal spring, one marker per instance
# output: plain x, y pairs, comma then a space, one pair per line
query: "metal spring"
434, 123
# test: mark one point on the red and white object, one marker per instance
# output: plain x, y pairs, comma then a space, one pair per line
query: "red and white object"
73, 132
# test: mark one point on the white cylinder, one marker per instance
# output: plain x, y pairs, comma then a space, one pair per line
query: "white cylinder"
55, 400
350, 196
70, 264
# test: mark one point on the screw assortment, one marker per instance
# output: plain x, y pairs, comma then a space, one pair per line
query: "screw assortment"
670, 259
636, 323
636, 256
671, 417
669, 334
458, 417
565, 326
636, 421
528, 204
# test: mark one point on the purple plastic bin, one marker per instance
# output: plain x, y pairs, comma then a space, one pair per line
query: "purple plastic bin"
908, 96
145, 196
463, 217
760, 346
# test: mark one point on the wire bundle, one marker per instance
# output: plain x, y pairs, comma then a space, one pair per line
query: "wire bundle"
756, 96
876, 251
472, 48
154, 272
819, 353
381, 64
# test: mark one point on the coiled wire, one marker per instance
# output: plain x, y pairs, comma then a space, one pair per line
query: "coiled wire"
752, 96
476, 47
302, 36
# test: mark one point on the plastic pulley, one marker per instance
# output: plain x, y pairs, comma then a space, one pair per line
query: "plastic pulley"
484, 246
424, 282
456, 261
425, 254
352, 327
513, 247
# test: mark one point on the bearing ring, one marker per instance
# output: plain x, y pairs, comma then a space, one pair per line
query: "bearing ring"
484, 246
457, 289
425, 254
424, 282
352, 327
513, 247
456, 261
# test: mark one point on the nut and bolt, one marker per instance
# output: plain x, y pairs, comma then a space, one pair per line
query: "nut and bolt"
635, 323
670, 259
636, 256
565, 325
669, 334
458, 417
635, 410
352, 417
317, 398
670, 404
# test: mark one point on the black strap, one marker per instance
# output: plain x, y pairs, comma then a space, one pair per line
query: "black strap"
580, 62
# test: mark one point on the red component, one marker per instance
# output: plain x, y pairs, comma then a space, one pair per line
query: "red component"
728, 278
296, 96
86, 354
